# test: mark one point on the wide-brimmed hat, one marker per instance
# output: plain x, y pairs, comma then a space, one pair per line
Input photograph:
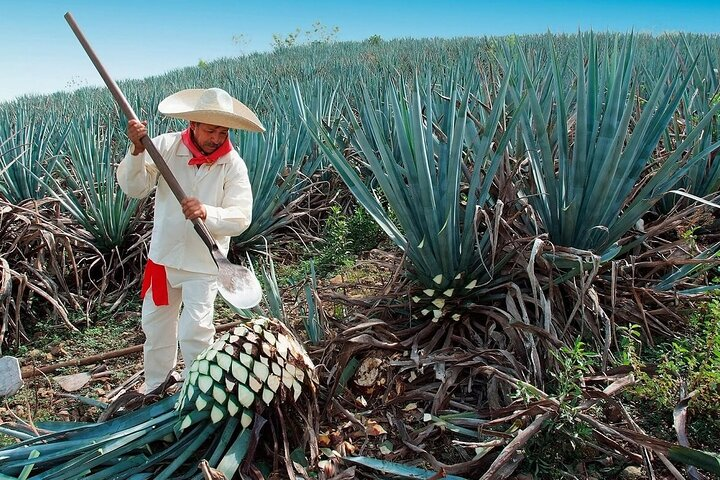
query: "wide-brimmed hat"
213, 106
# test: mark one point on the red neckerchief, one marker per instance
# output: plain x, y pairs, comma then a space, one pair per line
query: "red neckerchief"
199, 157
155, 277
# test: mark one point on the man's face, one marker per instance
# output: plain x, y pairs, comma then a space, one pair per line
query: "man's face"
208, 137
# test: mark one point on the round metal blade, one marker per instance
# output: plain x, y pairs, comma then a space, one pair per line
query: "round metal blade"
238, 285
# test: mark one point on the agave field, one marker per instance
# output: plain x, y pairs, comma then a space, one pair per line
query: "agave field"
499, 253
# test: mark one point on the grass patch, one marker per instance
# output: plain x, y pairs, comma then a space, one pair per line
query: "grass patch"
41, 398
688, 365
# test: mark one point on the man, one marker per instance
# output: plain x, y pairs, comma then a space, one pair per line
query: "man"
180, 268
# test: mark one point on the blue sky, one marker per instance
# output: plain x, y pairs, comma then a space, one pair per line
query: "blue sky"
136, 39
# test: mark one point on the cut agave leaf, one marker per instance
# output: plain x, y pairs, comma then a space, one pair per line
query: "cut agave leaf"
297, 389
282, 346
210, 355
287, 379
233, 406
254, 384
224, 361
261, 371
267, 396
239, 372
217, 414
203, 366
246, 418
229, 385
205, 383
245, 396
201, 403
219, 395
269, 337
186, 422
273, 382
216, 372
191, 392
246, 360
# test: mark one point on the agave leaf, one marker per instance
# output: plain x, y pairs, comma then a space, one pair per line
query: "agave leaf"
129, 440
690, 270
392, 468
417, 163
275, 161
30, 149
86, 186
231, 426
235, 454
80, 435
28, 468
589, 201
698, 458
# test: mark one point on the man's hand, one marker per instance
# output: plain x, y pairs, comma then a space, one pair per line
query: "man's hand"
136, 130
192, 209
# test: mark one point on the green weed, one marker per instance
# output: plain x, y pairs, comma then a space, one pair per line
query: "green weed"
564, 442
687, 364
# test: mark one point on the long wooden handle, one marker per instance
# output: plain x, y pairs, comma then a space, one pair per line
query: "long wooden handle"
167, 174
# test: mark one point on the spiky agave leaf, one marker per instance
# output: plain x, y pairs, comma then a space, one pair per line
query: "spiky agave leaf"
225, 392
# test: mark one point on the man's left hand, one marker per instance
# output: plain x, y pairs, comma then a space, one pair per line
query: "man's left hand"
192, 209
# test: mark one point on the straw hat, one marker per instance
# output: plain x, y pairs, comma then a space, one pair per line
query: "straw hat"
213, 106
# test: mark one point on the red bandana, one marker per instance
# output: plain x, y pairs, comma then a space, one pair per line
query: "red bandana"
199, 157
156, 278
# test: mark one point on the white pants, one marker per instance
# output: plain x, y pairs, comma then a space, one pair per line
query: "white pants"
164, 326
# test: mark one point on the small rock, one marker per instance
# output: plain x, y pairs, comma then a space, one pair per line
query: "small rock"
631, 473
35, 353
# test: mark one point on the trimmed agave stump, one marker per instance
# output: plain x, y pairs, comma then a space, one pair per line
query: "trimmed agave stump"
256, 373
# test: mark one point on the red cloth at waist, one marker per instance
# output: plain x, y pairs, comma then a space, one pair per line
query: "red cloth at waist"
155, 277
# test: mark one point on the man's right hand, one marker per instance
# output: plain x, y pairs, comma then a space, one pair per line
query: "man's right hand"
136, 130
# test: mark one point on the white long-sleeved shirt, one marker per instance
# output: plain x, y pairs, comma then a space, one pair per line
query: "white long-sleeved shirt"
223, 187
